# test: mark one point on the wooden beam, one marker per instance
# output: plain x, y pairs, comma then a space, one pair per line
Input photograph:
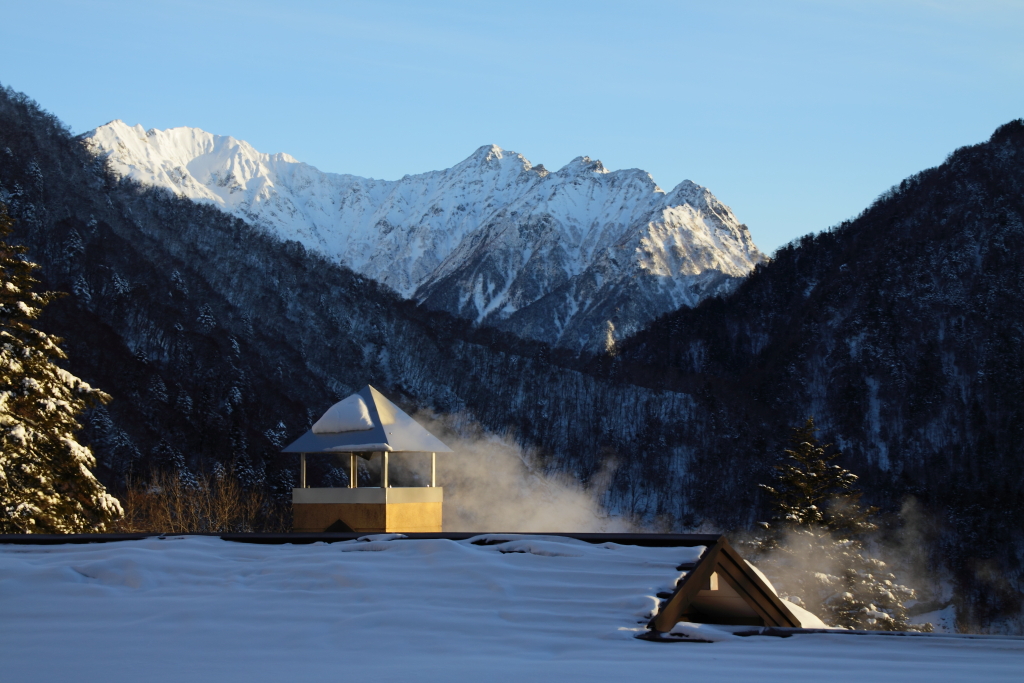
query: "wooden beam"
686, 591
748, 584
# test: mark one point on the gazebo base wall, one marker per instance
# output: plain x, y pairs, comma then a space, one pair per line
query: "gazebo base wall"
369, 510
368, 517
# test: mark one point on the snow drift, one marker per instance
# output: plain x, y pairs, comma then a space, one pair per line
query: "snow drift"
532, 608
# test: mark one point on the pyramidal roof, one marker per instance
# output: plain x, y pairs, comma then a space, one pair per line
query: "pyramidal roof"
366, 422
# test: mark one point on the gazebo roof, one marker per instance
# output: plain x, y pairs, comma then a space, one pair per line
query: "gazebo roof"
366, 422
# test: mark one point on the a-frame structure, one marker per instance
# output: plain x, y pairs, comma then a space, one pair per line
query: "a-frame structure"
722, 588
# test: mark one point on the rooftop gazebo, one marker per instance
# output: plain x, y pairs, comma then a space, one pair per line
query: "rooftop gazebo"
363, 424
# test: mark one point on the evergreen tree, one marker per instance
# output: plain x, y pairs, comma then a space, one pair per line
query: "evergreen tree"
814, 544
172, 461
46, 485
206, 320
812, 495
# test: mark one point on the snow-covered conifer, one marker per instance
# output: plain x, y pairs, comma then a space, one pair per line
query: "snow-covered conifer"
179, 283
277, 434
206, 320
82, 290
121, 286
814, 545
121, 452
157, 389
813, 493
184, 403
251, 475
46, 483
172, 460
36, 174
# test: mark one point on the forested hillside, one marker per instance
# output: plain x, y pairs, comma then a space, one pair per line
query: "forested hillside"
902, 333
220, 343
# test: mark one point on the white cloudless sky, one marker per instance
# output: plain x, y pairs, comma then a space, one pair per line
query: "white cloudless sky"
795, 113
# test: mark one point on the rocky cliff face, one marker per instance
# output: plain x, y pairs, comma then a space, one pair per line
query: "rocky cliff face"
573, 257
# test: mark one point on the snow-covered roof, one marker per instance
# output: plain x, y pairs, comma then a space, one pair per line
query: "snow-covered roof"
534, 608
366, 422
742, 596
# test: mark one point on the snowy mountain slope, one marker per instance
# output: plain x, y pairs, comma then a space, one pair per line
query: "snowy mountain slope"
553, 255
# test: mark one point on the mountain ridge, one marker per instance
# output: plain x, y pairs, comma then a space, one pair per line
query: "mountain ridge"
486, 239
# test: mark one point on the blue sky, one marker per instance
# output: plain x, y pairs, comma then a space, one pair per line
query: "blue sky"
796, 114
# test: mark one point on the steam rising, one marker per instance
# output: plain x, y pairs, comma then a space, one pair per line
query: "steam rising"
491, 484
805, 572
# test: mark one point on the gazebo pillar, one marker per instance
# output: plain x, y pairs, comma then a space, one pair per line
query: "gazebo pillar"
361, 425
375, 509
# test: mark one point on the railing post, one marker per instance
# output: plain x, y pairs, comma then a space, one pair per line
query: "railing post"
302, 470
353, 472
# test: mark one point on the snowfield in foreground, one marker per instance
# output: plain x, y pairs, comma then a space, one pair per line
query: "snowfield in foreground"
203, 609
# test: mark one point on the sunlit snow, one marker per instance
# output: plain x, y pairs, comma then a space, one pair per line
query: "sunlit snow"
505, 231
533, 608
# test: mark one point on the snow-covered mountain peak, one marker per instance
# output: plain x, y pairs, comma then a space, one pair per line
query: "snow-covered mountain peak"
493, 238
489, 152
490, 158
581, 165
702, 200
